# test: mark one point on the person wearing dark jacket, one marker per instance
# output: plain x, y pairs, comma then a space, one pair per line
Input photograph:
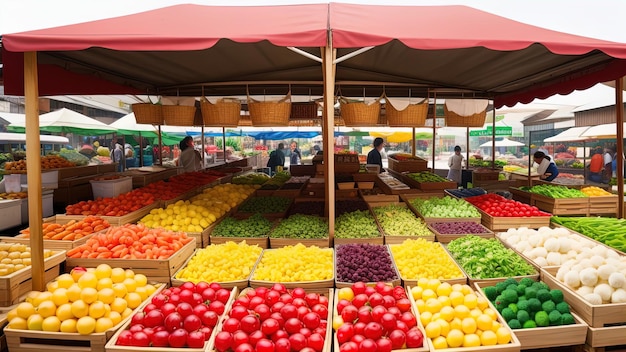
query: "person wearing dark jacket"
374, 157
277, 158
296, 155
547, 171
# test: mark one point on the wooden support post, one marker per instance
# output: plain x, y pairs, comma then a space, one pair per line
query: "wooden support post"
619, 109
328, 122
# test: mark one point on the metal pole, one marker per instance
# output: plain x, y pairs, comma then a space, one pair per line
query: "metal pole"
619, 109
434, 126
493, 140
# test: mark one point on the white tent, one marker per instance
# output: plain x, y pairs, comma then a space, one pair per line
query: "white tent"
505, 142
129, 124
65, 120
605, 131
573, 134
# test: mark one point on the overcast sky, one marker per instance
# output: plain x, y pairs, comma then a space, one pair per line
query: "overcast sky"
603, 19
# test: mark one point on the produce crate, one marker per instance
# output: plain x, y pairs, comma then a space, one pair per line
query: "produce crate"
320, 285
397, 282
11, 213
428, 220
396, 239
607, 322
603, 205
548, 336
407, 198
513, 346
262, 242
347, 163
112, 346
380, 198
290, 192
111, 188
129, 218
503, 223
226, 284
520, 195
270, 216
77, 171
154, 269
183, 196
37, 341
416, 165
561, 206
283, 242
406, 282
479, 175
18, 283
449, 237
371, 240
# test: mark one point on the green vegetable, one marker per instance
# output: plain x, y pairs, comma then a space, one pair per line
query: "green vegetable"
265, 205
521, 290
610, 231
556, 296
541, 318
531, 292
356, 224
528, 282
522, 306
508, 314
445, 207
514, 324
510, 295
490, 292
301, 226
567, 319
254, 226
548, 306
562, 307
543, 295
400, 221
529, 324
523, 316
555, 317
557, 191
534, 305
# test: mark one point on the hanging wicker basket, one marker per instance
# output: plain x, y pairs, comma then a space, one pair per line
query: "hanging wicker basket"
224, 113
179, 115
455, 120
270, 113
148, 113
359, 113
414, 115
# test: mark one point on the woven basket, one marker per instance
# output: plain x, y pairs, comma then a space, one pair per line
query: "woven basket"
224, 113
179, 115
270, 113
455, 120
413, 116
359, 113
148, 113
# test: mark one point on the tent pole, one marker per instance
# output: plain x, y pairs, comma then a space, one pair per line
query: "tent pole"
141, 151
619, 109
585, 159
33, 164
413, 143
202, 145
530, 156
467, 148
328, 121
434, 127
493, 139
160, 146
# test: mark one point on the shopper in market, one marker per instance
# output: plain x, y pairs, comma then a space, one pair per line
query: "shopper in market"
190, 159
455, 163
118, 156
374, 157
296, 155
608, 165
596, 166
277, 158
547, 170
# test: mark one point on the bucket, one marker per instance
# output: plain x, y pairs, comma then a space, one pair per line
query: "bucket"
12, 183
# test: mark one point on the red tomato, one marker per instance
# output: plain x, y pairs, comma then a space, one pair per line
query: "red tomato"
368, 345
223, 341
178, 338
195, 339
140, 339
397, 338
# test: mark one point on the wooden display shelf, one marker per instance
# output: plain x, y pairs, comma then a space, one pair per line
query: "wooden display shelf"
406, 282
602, 205
226, 284
37, 341
561, 206
446, 238
154, 269
183, 196
548, 336
370, 240
262, 242
411, 165
320, 285
283, 242
395, 282
502, 223
520, 195
129, 218
379, 198
390, 239
18, 283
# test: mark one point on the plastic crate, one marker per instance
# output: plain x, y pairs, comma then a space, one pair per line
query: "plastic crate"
46, 204
11, 213
111, 188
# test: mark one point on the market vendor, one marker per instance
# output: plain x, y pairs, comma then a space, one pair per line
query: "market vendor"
547, 170
374, 157
190, 158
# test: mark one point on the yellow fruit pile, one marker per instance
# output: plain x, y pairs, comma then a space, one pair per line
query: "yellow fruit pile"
593, 191
225, 196
224, 262
181, 216
85, 302
15, 256
420, 258
454, 316
295, 264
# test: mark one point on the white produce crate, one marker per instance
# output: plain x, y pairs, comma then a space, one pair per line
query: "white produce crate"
11, 211
49, 179
111, 188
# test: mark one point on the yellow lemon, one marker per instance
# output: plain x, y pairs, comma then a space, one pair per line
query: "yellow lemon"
495, 326
52, 324
105, 282
504, 335
42, 297
488, 338
115, 317
475, 313
444, 289
457, 324
86, 325
447, 313
482, 303
468, 325
64, 312
68, 325
52, 286
150, 289
73, 292
24, 310
106, 295
457, 287
440, 342
456, 298
141, 280
345, 293
445, 300
47, 308
103, 270
455, 338
133, 299
423, 282
126, 313
142, 292
65, 280
484, 322
129, 273
130, 284
466, 289
471, 340
59, 296
420, 305
433, 305
88, 280
416, 292
35, 322
96, 310
445, 327
470, 300
119, 305
426, 318
433, 329
427, 294
461, 312
103, 324
118, 275
119, 289
89, 294
13, 313
491, 313
80, 308
433, 284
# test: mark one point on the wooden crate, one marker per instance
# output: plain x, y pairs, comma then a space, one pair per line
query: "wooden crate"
428, 220
283, 242
18, 283
406, 282
548, 336
307, 285
371, 240
603, 205
396, 282
184, 196
588, 238
203, 238
378, 198
226, 284
112, 346
262, 242
561, 206
129, 218
396, 239
155, 270
605, 337
520, 195
449, 237
77, 171
502, 223
407, 165
37, 341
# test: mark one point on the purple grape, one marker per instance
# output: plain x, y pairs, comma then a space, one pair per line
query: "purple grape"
364, 262
456, 228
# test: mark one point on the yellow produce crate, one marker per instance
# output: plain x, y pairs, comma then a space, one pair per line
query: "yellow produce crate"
409, 281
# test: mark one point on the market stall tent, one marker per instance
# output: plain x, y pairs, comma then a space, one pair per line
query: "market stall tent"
604, 131
66, 121
450, 51
573, 134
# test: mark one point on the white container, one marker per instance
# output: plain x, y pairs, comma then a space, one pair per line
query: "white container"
12, 183
49, 179
47, 209
111, 188
11, 213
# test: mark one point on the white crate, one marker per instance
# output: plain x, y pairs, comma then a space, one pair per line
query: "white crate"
49, 179
111, 188
11, 213
47, 209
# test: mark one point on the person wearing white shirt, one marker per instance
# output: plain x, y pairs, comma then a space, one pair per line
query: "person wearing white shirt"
455, 163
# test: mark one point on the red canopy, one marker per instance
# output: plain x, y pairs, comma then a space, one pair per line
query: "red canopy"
220, 50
